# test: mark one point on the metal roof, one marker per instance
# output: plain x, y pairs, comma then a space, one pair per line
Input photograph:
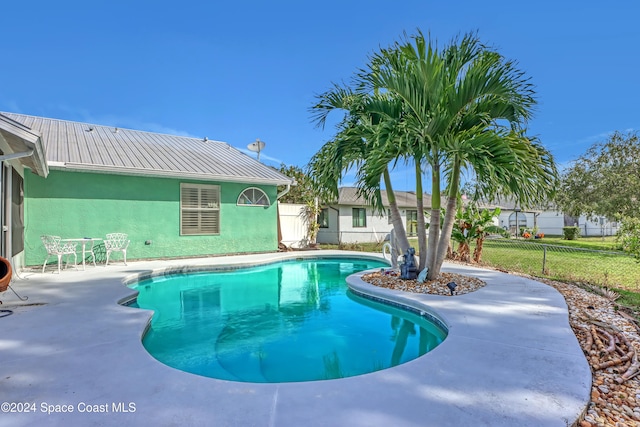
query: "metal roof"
405, 199
19, 142
107, 149
510, 204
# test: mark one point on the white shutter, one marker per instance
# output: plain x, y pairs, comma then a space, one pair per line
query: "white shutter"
189, 197
209, 198
199, 209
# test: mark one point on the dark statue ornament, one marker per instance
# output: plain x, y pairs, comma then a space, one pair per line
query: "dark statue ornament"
408, 269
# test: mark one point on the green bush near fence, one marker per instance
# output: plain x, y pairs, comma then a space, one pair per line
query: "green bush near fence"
571, 233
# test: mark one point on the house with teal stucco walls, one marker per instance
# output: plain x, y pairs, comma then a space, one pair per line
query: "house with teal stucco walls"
175, 196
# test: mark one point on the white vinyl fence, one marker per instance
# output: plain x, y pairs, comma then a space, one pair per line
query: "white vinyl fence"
293, 225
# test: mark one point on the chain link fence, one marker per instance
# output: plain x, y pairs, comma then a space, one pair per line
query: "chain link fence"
602, 268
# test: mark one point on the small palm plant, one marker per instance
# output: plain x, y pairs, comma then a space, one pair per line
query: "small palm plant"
473, 224
484, 227
462, 233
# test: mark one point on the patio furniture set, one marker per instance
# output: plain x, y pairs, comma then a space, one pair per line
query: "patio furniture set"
59, 247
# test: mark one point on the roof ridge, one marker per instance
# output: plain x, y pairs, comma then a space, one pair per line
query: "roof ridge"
112, 127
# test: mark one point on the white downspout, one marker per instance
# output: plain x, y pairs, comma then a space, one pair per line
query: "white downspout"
283, 192
16, 155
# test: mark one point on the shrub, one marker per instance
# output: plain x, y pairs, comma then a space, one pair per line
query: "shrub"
571, 233
629, 236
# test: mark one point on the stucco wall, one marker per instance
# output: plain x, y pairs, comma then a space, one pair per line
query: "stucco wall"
330, 234
74, 205
376, 230
551, 223
341, 229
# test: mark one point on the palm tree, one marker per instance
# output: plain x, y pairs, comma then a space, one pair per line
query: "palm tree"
361, 135
464, 108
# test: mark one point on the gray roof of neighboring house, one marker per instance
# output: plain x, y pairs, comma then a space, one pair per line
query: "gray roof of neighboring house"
510, 204
87, 147
405, 199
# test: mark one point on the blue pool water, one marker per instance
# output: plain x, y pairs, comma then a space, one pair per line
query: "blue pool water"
286, 321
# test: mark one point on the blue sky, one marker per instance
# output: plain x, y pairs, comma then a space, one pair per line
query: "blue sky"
241, 70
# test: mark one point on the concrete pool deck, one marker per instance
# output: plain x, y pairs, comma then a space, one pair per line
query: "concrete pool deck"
510, 359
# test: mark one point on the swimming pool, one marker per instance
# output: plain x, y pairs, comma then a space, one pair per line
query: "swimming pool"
282, 322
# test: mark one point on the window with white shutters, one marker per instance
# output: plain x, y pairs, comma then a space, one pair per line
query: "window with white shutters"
199, 209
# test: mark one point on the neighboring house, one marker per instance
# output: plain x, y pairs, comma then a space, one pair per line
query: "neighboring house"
351, 219
548, 220
174, 196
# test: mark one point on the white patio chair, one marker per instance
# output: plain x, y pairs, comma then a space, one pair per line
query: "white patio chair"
54, 246
116, 242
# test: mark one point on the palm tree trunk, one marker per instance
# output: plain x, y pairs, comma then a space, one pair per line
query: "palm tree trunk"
464, 252
434, 221
445, 236
421, 227
396, 219
477, 252
449, 218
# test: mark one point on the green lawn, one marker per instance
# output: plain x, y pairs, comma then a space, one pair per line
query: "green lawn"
607, 243
564, 263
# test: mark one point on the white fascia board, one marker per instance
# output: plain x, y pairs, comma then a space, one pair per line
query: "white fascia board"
123, 170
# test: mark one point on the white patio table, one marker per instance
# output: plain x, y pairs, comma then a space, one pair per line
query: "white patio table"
84, 241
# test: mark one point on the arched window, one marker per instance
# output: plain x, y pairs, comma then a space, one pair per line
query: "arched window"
253, 196
521, 219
